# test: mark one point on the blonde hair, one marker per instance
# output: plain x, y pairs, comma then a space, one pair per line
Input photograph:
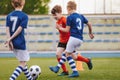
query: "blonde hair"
17, 3
71, 5
56, 9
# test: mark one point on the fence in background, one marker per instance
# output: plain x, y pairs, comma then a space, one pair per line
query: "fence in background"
42, 35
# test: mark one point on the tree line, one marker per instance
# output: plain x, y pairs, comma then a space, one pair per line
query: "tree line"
31, 7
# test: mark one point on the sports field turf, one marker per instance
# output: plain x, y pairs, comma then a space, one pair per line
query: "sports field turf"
104, 69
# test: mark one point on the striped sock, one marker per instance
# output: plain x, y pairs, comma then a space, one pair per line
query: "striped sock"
27, 73
63, 66
71, 63
62, 60
16, 73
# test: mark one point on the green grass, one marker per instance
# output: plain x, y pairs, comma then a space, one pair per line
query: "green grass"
104, 69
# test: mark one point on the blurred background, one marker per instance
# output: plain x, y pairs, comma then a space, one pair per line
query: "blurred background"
41, 34
42, 38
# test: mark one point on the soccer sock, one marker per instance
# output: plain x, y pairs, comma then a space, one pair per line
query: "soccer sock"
16, 73
27, 73
72, 64
62, 60
63, 66
81, 58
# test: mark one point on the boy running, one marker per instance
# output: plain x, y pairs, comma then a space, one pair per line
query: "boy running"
75, 24
63, 36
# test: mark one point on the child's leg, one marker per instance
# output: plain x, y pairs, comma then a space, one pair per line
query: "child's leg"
72, 63
62, 60
81, 58
23, 56
18, 69
27, 73
16, 73
84, 59
59, 52
60, 49
63, 66
73, 66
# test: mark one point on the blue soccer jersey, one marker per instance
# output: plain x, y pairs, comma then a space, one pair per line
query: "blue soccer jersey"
13, 21
76, 22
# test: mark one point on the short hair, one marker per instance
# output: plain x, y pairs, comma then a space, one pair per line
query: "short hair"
17, 3
72, 5
56, 9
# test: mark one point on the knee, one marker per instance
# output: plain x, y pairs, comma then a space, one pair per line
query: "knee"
67, 54
23, 63
72, 55
58, 55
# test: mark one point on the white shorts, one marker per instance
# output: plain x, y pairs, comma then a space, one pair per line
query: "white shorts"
72, 44
21, 55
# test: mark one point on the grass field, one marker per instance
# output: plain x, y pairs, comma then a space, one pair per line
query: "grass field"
104, 69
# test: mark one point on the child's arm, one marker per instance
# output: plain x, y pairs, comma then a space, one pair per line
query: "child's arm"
17, 32
10, 45
59, 27
7, 32
8, 42
90, 30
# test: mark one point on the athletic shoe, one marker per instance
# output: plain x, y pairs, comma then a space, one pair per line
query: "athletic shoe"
74, 74
54, 69
89, 64
63, 73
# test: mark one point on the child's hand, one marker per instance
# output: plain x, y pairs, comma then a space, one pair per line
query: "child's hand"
58, 26
91, 36
9, 44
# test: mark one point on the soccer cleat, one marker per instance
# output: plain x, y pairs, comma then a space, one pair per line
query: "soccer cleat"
63, 73
54, 69
89, 64
74, 74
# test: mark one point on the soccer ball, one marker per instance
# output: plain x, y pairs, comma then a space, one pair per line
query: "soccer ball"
35, 71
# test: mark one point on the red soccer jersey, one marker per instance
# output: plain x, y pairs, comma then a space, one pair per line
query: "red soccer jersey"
63, 36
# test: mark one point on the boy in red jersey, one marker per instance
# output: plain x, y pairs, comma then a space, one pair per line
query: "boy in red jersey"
63, 36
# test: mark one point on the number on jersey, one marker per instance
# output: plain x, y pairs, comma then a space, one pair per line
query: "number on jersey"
79, 25
14, 19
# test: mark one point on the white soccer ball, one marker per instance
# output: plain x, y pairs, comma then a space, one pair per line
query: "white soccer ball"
35, 71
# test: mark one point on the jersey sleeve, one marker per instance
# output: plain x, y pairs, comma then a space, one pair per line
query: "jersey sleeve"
85, 19
7, 21
24, 22
68, 22
64, 20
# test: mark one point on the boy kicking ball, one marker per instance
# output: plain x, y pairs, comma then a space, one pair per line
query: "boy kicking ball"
75, 24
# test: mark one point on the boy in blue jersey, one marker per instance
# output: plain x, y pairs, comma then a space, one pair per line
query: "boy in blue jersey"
16, 22
75, 24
